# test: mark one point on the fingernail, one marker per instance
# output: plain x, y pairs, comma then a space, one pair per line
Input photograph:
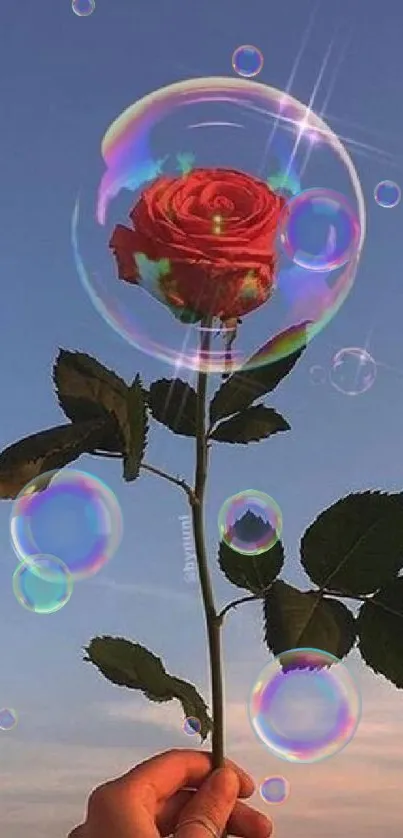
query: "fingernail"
265, 827
225, 781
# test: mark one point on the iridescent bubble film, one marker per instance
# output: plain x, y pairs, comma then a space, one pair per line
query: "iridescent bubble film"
250, 522
192, 726
353, 371
285, 181
68, 514
44, 586
387, 194
320, 231
247, 61
274, 789
8, 718
83, 8
208, 124
305, 706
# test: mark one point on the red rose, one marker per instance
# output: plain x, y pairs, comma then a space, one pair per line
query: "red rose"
217, 229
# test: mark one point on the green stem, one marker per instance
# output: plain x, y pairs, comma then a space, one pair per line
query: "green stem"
177, 481
236, 602
213, 624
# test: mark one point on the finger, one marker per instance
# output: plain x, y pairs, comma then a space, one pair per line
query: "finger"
244, 822
162, 776
213, 803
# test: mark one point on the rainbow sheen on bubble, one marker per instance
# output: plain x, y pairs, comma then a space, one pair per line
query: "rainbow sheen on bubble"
8, 718
44, 586
274, 789
247, 61
320, 231
71, 515
387, 194
286, 183
191, 726
250, 522
232, 123
353, 371
83, 8
305, 706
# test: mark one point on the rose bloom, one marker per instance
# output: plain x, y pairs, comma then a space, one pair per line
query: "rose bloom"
216, 231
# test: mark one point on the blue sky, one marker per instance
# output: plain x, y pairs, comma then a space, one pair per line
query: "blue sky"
63, 80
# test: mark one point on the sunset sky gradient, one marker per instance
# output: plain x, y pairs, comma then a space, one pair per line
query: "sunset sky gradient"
63, 80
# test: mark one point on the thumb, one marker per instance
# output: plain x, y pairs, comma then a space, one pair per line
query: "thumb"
208, 812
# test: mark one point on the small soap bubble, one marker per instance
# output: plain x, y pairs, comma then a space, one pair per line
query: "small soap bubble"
305, 706
83, 8
319, 231
247, 61
8, 718
250, 522
44, 586
353, 371
274, 790
192, 726
68, 514
387, 194
317, 374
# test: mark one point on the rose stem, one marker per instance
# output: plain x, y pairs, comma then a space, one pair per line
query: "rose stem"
213, 623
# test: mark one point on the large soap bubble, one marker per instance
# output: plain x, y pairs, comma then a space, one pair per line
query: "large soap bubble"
71, 515
305, 705
213, 123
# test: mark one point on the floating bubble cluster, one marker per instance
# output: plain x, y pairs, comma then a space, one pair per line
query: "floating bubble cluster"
8, 718
387, 194
224, 123
305, 706
44, 585
274, 790
353, 371
68, 514
192, 726
250, 522
247, 61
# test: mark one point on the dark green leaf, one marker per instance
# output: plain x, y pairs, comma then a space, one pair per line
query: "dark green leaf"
134, 430
355, 546
253, 573
174, 404
296, 620
86, 389
260, 375
380, 632
192, 703
250, 425
46, 451
130, 665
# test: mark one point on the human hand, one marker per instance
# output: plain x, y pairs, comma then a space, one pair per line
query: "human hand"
174, 792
